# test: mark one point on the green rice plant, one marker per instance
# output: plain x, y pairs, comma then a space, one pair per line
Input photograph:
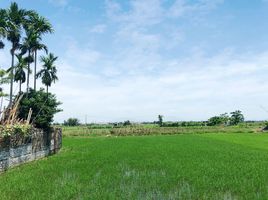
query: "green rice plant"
187, 166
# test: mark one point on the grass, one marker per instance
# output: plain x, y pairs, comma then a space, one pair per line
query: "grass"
149, 129
186, 166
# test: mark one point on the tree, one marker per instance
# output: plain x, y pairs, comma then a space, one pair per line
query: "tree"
127, 123
37, 46
49, 72
2, 28
71, 122
40, 26
14, 18
160, 120
236, 117
27, 47
44, 106
3, 80
19, 73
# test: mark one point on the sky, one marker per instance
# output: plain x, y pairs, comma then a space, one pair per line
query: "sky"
135, 59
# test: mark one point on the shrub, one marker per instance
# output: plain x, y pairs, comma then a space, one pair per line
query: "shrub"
265, 126
15, 129
44, 106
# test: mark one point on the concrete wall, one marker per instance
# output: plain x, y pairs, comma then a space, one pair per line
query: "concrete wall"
17, 150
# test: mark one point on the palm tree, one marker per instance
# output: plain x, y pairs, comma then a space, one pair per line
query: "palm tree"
14, 18
2, 27
39, 25
20, 75
37, 46
49, 72
27, 47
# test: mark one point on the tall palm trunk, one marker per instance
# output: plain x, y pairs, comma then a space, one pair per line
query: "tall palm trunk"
35, 63
47, 91
28, 72
20, 86
11, 75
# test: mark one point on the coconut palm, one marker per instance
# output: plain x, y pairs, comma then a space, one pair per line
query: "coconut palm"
19, 73
14, 18
48, 73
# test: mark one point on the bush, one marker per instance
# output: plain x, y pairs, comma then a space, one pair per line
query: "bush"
265, 126
15, 129
71, 122
44, 106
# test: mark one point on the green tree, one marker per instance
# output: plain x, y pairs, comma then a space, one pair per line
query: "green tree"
127, 123
3, 80
236, 117
15, 19
2, 28
44, 106
39, 25
49, 72
160, 120
19, 73
27, 47
71, 122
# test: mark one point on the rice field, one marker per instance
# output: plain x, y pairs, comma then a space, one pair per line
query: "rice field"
185, 166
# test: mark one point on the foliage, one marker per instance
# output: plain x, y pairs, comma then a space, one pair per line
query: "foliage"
160, 120
24, 30
48, 73
265, 126
44, 106
71, 122
9, 130
127, 123
14, 20
236, 117
218, 120
3, 80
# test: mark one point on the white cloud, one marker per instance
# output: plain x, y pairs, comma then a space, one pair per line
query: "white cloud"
59, 3
184, 7
191, 89
99, 28
80, 57
142, 13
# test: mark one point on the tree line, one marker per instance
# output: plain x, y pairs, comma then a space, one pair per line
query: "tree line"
24, 30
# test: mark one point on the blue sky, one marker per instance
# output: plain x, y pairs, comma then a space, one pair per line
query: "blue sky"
132, 60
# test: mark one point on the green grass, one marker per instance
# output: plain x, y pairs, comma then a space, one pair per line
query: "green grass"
207, 166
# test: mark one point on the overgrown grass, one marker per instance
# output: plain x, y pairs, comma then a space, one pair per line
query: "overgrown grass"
156, 130
186, 166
